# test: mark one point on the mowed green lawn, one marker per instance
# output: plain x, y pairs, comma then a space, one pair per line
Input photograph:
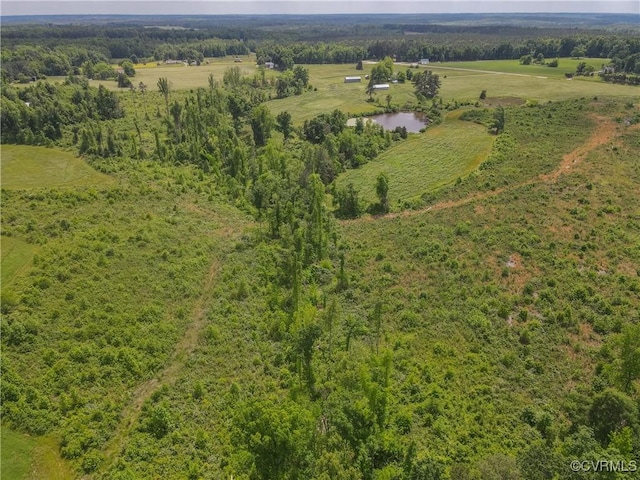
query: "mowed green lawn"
25, 167
16, 258
507, 78
423, 162
15, 454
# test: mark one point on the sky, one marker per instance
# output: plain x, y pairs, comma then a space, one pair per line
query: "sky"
253, 7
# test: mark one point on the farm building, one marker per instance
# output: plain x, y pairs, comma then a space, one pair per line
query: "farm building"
424, 61
381, 86
269, 65
352, 79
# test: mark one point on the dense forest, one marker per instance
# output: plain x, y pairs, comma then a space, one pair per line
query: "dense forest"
321, 345
38, 51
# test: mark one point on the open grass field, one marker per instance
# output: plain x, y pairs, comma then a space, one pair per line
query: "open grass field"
23, 457
565, 65
25, 167
463, 83
188, 77
15, 454
424, 162
17, 255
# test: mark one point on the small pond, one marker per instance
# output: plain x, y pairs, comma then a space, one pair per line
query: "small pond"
414, 122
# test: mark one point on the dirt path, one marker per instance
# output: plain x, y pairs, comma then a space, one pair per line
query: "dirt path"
439, 66
177, 361
604, 132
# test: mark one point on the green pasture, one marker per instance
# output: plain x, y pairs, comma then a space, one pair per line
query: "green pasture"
184, 77
23, 457
16, 453
17, 255
565, 65
507, 78
25, 167
461, 81
424, 162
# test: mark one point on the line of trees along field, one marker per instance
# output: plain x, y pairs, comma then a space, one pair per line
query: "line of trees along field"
68, 49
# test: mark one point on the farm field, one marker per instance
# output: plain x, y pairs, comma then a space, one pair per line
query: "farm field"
463, 83
16, 454
27, 167
459, 85
424, 162
17, 255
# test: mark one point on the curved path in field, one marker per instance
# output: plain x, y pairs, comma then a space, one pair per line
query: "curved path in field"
604, 132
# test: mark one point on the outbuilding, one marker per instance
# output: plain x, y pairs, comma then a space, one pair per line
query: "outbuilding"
381, 86
352, 79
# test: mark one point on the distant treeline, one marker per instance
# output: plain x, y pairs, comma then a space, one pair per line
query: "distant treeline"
64, 49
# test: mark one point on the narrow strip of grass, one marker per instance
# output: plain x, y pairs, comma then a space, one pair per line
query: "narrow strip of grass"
16, 258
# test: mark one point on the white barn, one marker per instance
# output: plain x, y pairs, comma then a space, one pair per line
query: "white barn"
381, 86
352, 79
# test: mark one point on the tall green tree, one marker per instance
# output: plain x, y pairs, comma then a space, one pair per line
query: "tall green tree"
382, 191
629, 356
426, 84
261, 124
164, 87
283, 124
610, 412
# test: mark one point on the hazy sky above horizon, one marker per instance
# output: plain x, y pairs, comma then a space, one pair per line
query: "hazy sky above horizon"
260, 7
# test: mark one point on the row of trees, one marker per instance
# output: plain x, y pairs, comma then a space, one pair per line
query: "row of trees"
72, 46
39, 114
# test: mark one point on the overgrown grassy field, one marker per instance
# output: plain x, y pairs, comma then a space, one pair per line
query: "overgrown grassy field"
487, 292
120, 267
27, 167
147, 330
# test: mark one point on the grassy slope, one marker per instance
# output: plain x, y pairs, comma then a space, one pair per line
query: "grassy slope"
424, 162
117, 286
17, 256
466, 362
25, 167
15, 454
431, 254
454, 282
